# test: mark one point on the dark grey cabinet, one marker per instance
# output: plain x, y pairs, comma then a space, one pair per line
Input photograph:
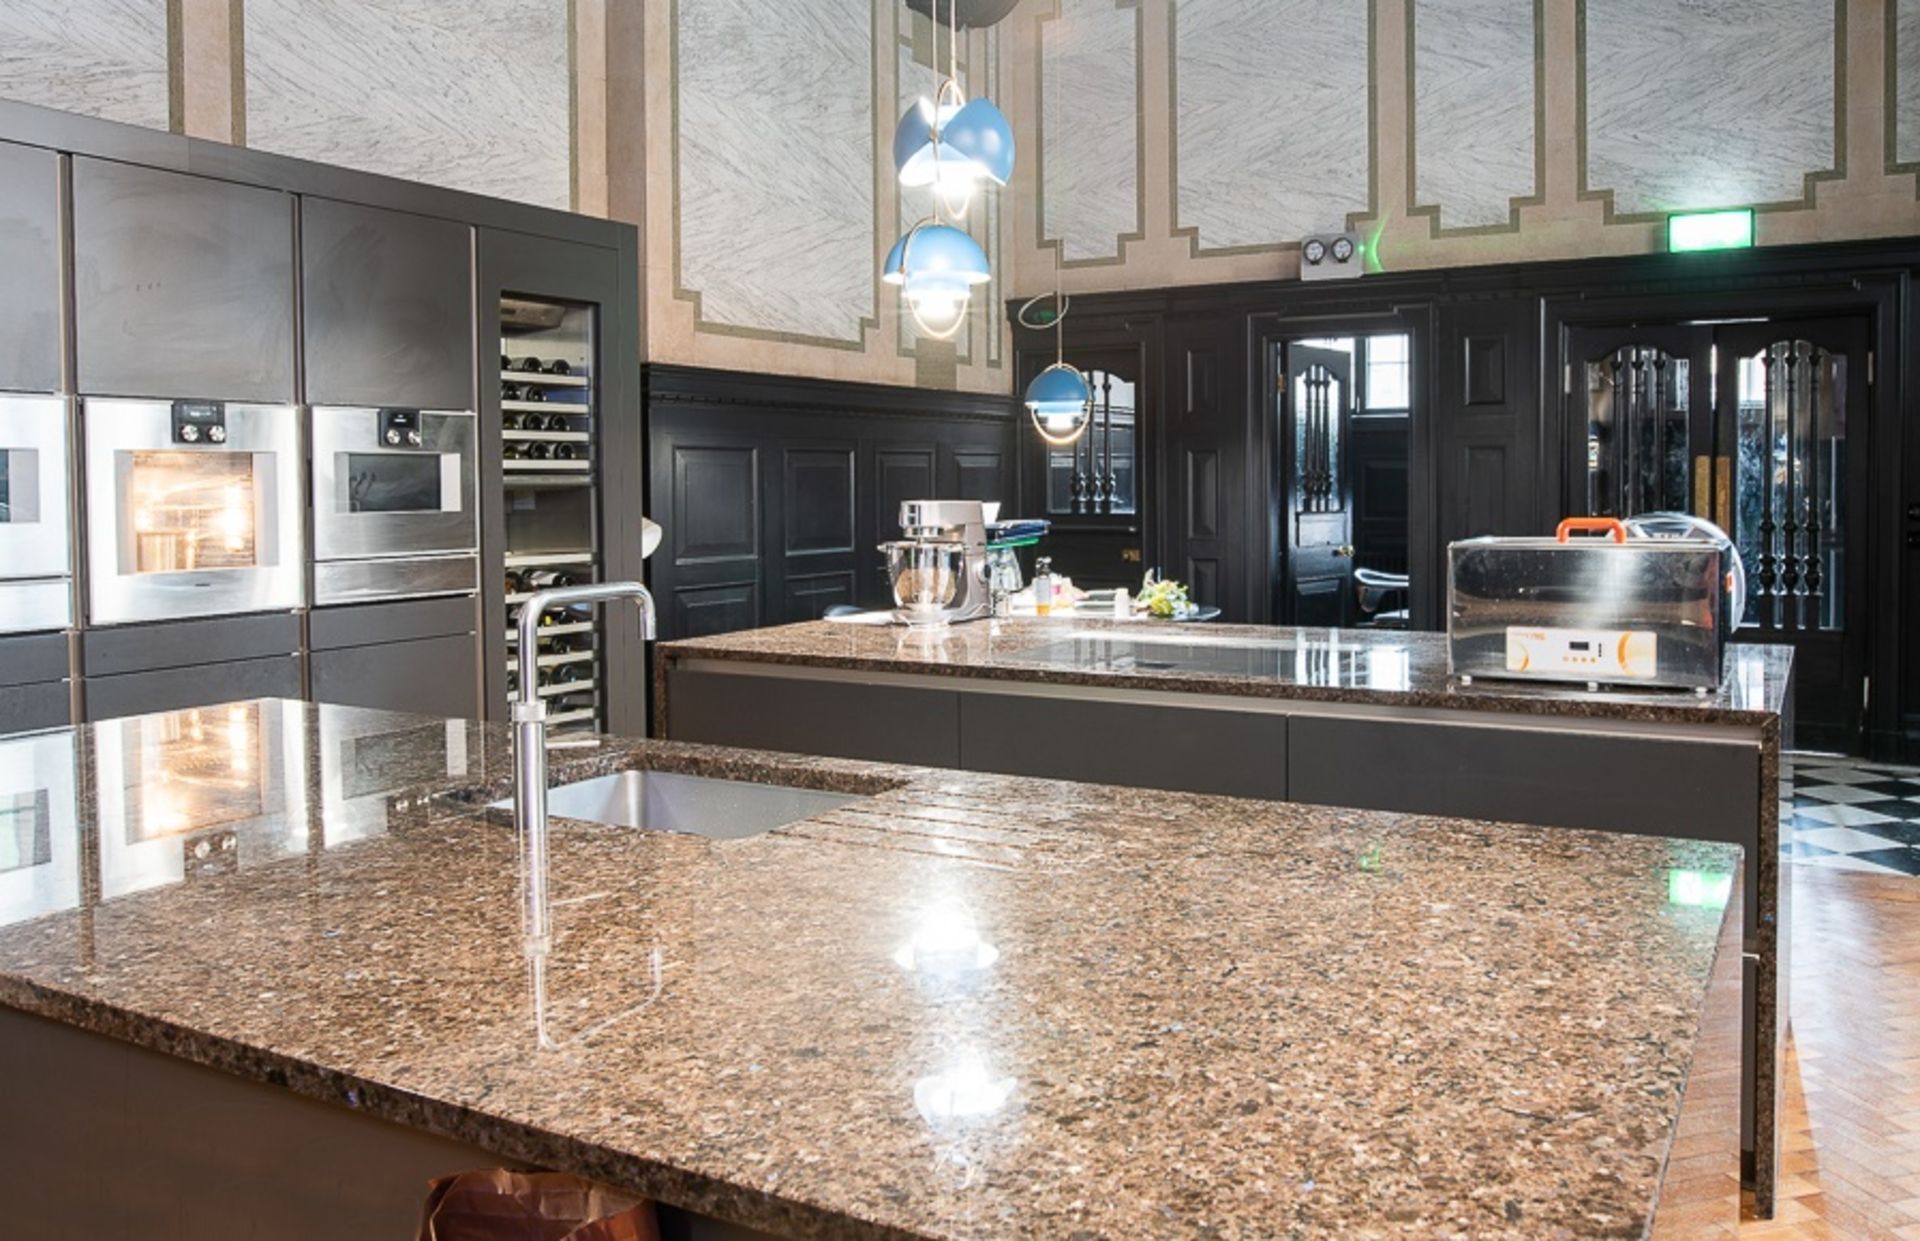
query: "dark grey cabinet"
388, 299
1139, 745
840, 718
33, 684
430, 676
175, 689
24, 708
183, 285
30, 257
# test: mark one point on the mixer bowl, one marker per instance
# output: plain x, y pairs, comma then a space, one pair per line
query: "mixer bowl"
925, 574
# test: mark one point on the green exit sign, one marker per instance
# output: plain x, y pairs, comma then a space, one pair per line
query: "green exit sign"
1692, 231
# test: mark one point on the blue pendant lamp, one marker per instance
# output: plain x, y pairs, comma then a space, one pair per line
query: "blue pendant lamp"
936, 266
1059, 398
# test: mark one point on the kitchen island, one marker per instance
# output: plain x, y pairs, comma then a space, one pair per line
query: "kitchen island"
1360, 718
960, 1004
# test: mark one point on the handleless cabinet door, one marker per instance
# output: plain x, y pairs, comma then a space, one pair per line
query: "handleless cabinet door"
183, 286
30, 257
389, 307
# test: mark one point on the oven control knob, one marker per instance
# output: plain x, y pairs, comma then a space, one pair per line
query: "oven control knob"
413, 439
190, 434
393, 435
216, 435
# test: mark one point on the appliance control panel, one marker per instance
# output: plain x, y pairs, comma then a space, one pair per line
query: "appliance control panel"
400, 428
199, 422
1598, 654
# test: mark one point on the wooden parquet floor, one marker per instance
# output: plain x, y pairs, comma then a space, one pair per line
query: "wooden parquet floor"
1850, 1116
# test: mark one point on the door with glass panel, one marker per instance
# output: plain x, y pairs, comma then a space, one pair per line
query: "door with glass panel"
1091, 487
1757, 426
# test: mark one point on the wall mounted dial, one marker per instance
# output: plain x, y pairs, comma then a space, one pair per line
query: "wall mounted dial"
1334, 256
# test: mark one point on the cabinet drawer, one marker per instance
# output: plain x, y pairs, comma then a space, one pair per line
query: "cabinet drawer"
174, 689
24, 708
429, 676
839, 719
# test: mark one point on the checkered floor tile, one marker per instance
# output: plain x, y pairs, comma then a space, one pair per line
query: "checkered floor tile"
1847, 815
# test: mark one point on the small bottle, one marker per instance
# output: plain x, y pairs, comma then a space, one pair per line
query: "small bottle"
1043, 586
1122, 606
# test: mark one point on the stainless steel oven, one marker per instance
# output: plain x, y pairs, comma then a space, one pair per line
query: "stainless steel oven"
393, 503
35, 578
39, 826
193, 509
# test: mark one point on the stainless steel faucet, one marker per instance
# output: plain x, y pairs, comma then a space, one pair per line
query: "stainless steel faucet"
530, 739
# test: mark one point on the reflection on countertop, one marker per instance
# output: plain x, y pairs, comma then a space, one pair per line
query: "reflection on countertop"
1397, 668
962, 1005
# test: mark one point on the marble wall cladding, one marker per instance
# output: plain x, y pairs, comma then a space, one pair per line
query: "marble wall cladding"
1089, 127
775, 164
1906, 82
1473, 108
473, 96
1660, 141
1270, 118
105, 58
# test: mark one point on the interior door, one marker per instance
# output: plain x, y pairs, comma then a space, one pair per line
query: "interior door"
1315, 576
1748, 425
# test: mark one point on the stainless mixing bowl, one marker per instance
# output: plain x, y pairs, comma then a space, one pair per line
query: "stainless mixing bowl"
925, 574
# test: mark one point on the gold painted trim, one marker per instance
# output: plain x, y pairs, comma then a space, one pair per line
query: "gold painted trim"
701, 324
1890, 55
573, 106
1432, 212
1120, 240
176, 69
1810, 181
1192, 231
237, 68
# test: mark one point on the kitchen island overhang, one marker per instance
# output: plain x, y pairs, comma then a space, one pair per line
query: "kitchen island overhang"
1198, 1012
1328, 717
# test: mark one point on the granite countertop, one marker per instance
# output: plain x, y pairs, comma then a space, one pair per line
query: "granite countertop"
1398, 668
966, 1006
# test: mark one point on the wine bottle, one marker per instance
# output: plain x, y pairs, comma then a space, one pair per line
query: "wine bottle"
531, 364
510, 392
515, 585
513, 450
531, 393
565, 452
539, 452
506, 363
515, 422
559, 367
572, 674
549, 579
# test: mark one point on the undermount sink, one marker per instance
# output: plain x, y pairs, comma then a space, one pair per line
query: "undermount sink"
667, 801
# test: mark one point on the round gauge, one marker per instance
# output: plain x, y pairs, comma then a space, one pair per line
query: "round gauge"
1314, 250
1342, 249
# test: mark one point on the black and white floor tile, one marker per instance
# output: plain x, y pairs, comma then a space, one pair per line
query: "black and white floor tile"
1845, 814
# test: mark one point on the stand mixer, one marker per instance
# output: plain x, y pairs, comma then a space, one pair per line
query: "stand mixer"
938, 568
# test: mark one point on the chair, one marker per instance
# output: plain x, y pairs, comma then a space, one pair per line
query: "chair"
1374, 589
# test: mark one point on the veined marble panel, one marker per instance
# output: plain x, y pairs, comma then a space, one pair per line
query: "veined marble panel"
105, 58
1270, 119
472, 96
775, 159
1089, 127
1906, 82
1709, 103
1473, 108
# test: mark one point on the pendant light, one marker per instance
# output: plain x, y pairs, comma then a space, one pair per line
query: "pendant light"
936, 266
1059, 398
948, 142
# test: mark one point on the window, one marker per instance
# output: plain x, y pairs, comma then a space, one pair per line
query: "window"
1386, 386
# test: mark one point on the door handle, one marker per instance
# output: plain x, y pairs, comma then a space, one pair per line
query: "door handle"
1345, 549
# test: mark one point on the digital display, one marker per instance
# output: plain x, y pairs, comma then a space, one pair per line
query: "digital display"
392, 482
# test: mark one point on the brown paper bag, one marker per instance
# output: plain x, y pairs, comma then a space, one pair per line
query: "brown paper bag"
493, 1204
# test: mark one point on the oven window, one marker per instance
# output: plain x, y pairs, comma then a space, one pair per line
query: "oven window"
391, 482
19, 485
191, 511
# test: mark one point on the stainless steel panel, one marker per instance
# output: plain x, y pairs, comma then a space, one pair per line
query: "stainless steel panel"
341, 532
33, 487
116, 594
365, 753
1672, 589
30, 257
183, 285
28, 607
359, 581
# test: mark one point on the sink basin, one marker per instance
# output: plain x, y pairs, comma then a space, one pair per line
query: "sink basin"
667, 801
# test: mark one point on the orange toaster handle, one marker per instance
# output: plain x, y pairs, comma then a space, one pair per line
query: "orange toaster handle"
1606, 525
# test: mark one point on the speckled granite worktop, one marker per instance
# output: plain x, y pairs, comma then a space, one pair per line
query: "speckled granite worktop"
968, 1006
1395, 668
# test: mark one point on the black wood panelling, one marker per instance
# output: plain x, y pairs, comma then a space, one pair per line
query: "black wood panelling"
1202, 383
1203, 494
30, 257
835, 460
1484, 369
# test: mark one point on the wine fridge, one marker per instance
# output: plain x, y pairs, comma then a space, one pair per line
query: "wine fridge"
194, 508
35, 590
549, 407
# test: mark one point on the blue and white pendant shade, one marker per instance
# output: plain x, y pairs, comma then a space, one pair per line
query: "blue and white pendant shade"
953, 145
1061, 403
936, 266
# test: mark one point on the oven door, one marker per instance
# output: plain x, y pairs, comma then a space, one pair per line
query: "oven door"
39, 826
204, 528
373, 497
33, 514
368, 757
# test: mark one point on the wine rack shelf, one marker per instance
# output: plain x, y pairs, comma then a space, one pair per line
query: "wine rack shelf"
514, 465
545, 380
571, 409
560, 556
547, 437
582, 715
555, 660
552, 631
